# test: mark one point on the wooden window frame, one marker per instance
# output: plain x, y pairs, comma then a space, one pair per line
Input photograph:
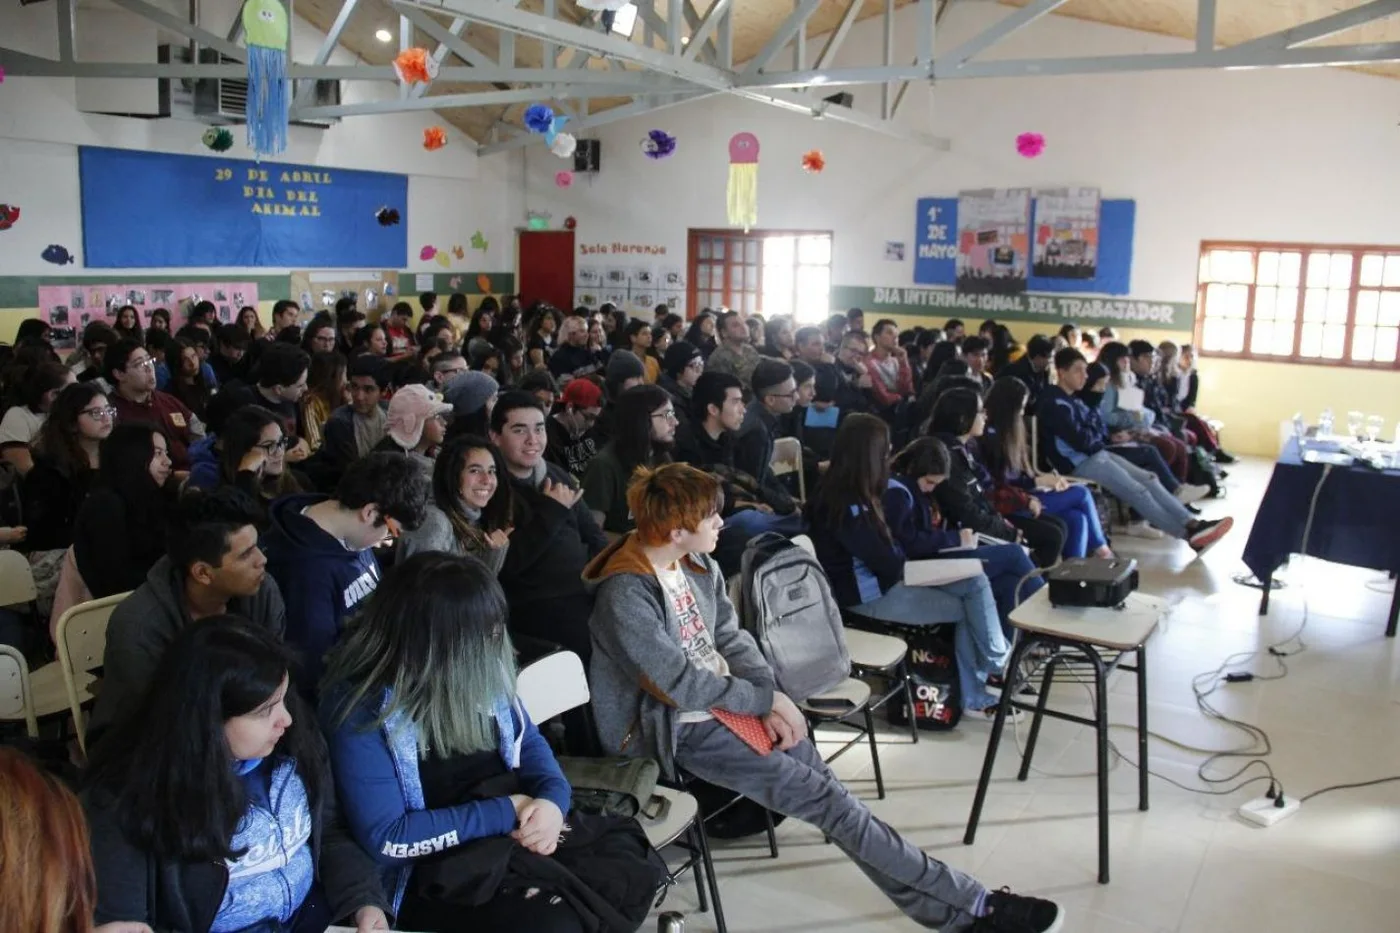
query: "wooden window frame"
1306, 250
696, 234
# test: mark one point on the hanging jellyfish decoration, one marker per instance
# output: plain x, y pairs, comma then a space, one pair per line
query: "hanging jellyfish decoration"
743, 180
269, 91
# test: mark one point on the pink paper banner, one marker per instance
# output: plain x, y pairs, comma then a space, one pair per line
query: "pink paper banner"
75, 306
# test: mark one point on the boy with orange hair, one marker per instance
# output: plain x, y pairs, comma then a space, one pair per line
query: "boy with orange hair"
676, 679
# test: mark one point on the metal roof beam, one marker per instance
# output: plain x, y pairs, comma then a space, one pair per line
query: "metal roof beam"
1236, 58
1324, 27
701, 34
328, 46
1205, 25
638, 107
183, 27
1017, 19
783, 35
834, 41
475, 99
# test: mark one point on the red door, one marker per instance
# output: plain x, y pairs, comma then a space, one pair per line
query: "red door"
547, 267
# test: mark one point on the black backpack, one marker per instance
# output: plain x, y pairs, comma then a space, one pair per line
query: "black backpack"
933, 670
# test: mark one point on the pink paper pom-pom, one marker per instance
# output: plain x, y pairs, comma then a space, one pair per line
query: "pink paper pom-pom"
564, 179
1030, 145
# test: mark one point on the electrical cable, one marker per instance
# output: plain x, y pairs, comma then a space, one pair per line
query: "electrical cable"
1334, 787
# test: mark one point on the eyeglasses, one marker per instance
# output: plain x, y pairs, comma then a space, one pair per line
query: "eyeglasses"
100, 414
668, 415
272, 447
147, 363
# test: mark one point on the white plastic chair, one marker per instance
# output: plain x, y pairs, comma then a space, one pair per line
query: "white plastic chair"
82, 641
16, 702
787, 458
555, 684
16, 579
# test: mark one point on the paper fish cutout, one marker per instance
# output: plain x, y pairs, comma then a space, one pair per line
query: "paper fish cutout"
9, 216
218, 139
387, 216
57, 255
427, 253
443, 259
480, 242
459, 252
483, 283
455, 282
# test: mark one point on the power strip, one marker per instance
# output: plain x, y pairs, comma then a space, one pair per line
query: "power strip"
1265, 811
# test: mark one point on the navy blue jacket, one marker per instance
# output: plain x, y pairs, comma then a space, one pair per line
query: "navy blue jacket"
909, 515
852, 549
1070, 430
322, 581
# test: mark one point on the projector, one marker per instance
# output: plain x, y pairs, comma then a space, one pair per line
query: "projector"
1097, 582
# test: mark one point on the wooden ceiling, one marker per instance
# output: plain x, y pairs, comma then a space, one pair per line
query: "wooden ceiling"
756, 20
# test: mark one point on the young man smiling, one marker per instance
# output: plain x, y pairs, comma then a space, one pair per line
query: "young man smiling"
554, 536
674, 678
214, 567
132, 373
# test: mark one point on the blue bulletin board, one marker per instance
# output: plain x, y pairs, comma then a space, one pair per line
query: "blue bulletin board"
155, 210
936, 248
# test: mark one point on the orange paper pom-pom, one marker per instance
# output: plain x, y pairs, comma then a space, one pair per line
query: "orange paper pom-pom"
813, 161
415, 66
483, 284
434, 137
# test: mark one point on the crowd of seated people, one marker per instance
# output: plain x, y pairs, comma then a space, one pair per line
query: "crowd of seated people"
308, 520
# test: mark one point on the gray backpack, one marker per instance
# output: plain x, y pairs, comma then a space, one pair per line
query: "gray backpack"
785, 602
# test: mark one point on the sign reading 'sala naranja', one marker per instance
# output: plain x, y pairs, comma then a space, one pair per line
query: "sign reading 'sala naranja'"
157, 210
1054, 310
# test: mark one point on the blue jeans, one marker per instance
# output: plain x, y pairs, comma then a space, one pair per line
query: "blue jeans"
1005, 566
1075, 506
1140, 489
1148, 458
978, 641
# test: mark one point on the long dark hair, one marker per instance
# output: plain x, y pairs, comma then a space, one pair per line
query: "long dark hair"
1110, 354
942, 352
631, 427
955, 412
858, 473
125, 468
242, 430
433, 635
474, 328
923, 456
325, 378
447, 489
697, 336
195, 394
1004, 449
168, 764
59, 441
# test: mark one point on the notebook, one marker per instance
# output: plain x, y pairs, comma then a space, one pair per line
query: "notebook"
940, 572
747, 727
1131, 399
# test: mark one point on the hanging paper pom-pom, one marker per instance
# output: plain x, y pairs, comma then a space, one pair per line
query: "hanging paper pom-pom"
387, 216
269, 91
556, 126
483, 284
813, 162
9, 216
1030, 145
538, 118
415, 66
434, 137
658, 144
563, 146
218, 139
564, 179
2, 74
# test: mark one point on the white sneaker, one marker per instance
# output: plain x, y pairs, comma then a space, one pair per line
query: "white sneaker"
989, 715
1187, 493
1142, 530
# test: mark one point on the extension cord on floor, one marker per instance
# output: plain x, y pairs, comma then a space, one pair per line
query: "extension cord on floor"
1265, 811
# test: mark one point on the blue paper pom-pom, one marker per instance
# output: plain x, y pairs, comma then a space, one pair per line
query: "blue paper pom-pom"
538, 118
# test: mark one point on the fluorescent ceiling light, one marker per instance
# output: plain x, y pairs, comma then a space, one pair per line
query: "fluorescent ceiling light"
625, 21
384, 35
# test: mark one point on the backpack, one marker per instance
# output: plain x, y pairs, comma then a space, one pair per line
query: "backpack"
785, 602
933, 671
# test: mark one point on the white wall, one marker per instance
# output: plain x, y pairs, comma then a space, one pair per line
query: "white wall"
451, 193
1292, 155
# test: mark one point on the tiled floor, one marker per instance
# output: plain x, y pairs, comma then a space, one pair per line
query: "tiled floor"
1189, 864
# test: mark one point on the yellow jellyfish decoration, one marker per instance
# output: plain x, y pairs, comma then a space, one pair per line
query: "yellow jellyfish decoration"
743, 180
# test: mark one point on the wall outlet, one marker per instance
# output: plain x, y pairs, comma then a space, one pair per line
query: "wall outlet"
1266, 812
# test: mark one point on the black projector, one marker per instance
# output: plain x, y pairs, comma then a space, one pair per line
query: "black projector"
1092, 581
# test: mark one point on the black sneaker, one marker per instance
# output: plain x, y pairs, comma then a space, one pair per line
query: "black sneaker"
1222, 457
1017, 913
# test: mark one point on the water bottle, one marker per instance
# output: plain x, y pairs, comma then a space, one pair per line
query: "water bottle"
671, 922
1324, 424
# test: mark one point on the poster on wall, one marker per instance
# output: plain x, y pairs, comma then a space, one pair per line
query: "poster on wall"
154, 210
374, 291
993, 241
75, 306
1066, 233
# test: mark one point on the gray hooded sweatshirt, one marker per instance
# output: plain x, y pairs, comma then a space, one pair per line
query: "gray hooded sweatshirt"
639, 674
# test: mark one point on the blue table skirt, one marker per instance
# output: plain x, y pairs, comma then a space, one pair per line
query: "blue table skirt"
1357, 520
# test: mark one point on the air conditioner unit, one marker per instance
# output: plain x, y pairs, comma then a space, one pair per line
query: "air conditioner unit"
223, 101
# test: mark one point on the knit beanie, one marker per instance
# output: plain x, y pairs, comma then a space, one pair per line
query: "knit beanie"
623, 365
468, 391
678, 357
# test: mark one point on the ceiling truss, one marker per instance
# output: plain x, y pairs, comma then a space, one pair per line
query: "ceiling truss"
678, 54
